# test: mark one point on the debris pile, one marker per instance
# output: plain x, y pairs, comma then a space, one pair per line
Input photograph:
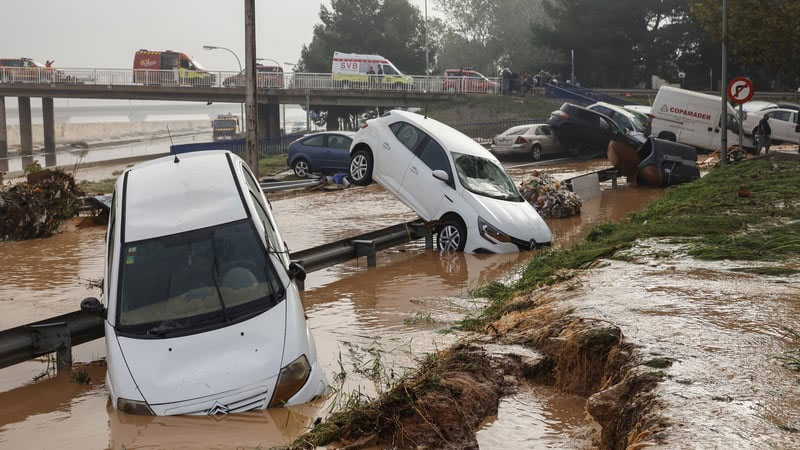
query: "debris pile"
550, 197
36, 208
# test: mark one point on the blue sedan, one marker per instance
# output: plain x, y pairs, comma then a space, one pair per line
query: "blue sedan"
325, 153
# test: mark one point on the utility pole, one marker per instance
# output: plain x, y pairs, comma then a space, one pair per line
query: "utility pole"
251, 141
724, 87
427, 65
572, 57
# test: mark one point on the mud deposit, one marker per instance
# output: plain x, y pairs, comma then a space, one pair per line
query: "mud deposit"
370, 325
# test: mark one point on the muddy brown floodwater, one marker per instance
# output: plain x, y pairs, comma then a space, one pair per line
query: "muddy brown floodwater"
370, 325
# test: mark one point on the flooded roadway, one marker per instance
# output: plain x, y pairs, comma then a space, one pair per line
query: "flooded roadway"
370, 324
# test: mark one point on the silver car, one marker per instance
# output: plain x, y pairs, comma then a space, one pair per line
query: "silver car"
535, 140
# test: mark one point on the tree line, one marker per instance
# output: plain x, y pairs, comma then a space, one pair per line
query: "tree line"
617, 43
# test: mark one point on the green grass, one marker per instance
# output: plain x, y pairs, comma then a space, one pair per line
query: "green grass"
271, 164
768, 271
98, 187
708, 214
491, 108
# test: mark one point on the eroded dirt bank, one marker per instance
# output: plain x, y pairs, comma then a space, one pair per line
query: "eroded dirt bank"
674, 325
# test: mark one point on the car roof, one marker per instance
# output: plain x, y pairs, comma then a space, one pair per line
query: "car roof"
758, 105
451, 139
164, 197
625, 112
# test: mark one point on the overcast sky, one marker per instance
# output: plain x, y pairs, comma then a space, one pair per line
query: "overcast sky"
106, 33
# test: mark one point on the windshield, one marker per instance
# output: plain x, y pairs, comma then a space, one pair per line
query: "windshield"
197, 279
483, 177
197, 65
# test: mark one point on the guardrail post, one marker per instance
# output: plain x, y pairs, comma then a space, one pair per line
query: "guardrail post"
613, 174
366, 248
53, 337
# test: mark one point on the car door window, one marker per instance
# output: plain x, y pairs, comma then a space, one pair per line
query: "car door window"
780, 115
433, 155
315, 141
339, 142
408, 135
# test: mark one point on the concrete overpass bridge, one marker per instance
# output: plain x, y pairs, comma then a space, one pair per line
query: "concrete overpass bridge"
273, 90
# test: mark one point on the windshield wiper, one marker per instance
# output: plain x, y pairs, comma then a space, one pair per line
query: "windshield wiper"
214, 274
164, 327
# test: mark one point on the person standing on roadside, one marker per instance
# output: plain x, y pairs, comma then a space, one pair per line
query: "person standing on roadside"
764, 132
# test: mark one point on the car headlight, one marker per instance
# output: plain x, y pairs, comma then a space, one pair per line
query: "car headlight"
291, 379
134, 407
490, 233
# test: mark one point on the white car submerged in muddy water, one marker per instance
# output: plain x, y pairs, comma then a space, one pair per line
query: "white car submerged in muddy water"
448, 179
203, 315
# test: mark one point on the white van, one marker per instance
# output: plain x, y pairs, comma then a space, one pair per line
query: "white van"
354, 68
202, 312
692, 118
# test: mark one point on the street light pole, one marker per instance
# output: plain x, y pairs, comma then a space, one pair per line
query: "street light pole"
283, 105
216, 47
724, 86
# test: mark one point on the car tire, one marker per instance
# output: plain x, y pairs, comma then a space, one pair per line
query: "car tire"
452, 236
301, 168
361, 167
536, 152
667, 136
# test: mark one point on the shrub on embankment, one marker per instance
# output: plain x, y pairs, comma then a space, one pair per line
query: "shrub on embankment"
744, 211
36, 209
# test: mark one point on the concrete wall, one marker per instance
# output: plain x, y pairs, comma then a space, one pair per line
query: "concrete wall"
115, 131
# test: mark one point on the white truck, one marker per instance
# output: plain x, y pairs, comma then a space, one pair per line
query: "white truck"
693, 118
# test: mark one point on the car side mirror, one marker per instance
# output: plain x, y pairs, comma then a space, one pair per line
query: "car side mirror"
296, 271
441, 175
91, 305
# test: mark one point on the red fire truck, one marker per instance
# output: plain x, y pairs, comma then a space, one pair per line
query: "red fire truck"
169, 67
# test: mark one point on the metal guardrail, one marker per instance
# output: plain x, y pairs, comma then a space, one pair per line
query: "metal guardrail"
224, 79
58, 334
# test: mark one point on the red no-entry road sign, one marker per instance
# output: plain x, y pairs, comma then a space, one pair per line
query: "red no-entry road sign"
740, 90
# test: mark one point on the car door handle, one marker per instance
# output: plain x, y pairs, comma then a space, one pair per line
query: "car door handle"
387, 146
414, 169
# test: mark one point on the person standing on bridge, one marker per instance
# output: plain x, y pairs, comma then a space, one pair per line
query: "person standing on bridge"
764, 132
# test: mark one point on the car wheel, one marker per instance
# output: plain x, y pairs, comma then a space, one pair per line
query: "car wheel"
536, 152
667, 136
452, 236
361, 167
301, 168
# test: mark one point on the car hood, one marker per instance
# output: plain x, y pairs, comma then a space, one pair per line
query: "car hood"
171, 370
517, 219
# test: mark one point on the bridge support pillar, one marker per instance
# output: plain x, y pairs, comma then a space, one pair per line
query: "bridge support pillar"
269, 119
25, 128
48, 125
3, 129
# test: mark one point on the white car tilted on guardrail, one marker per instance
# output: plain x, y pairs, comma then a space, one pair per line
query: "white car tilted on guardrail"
449, 179
203, 315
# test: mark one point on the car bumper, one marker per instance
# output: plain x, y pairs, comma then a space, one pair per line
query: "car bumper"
479, 244
510, 150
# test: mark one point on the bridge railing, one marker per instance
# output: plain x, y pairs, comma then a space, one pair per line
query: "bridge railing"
265, 80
